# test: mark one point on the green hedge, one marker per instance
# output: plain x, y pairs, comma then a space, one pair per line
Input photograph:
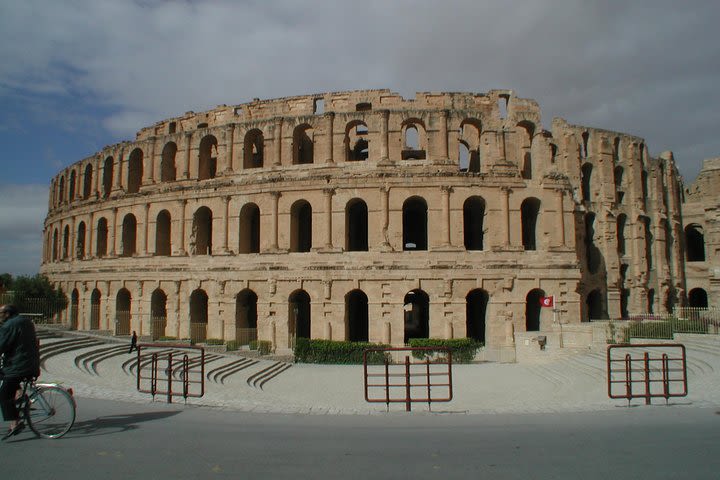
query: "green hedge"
264, 347
231, 345
214, 341
463, 349
334, 352
663, 330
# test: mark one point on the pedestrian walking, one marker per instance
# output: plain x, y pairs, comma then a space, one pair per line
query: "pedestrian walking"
133, 342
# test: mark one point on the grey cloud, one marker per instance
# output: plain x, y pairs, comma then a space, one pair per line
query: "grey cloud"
22, 211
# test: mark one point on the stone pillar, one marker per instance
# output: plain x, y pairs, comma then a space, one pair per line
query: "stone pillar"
277, 142
71, 240
185, 164
274, 221
505, 215
229, 149
118, 171
144, 244
384, 117
113, 233
445, 194
328, 192
97, 180
149, 168
444, 154
561, 216
329, 117
180, 235
90, 248
226, 221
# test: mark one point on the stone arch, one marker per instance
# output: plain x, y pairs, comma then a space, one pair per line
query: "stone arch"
416, 306
529, 213
207, 160
74, 308
168, 169
414, 139
356, 226
596, 305
158, 313
80, 241
356, 141
87, 181
123, 307
198, 315
249, 235
129, 235
246, 316
201, 236
254, 144
586, 174
303, 147
533, 309
135, 171
95, 298
694, 243
356, 316
698, 298
415, 233
101, 238
476, 303
107, 176
163, 233
299, 315
301, 226
473, 223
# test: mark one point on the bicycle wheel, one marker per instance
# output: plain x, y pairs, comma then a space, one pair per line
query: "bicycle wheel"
50, 411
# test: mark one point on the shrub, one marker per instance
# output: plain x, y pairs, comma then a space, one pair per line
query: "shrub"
264, 347
167, 339
336, 352
463, 349
232, 345
214, 341
253, 345
653, 329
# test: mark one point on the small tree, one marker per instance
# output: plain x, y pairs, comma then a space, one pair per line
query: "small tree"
37, 295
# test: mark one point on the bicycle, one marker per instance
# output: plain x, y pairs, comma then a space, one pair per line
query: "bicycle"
48, 408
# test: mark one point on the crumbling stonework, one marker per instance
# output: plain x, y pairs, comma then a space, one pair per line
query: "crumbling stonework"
365, 216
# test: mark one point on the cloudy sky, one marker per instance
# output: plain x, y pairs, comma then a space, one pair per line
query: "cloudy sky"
78, 75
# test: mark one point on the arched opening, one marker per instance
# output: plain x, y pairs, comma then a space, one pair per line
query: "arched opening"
413, 149
595, 306
163, 226
586, 172
463, 156
135, 171
302, 145
356, 316
66, 242
415, 224
168, 171
585, 140
647, 233
80, 242
207, 163
592, 252
249, 235
533, 309
529, 212
356, 226
697, 298
618, 177
624, 302
469, 138
101, 238
61, 196
651, 301
107, 176
87, 181
74, 308
473, 220
55, 242
475, 314
198, 316
620, 234
122, 312
301, 227
356, 143
246, 317
526, 133
73, 178
201, 236
669, 240
526, 172
695, 243
158, 314
253, 149
299, 315
95, 310
129, 232
416, 307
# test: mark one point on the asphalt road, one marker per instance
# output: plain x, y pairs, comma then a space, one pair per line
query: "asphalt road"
115, 440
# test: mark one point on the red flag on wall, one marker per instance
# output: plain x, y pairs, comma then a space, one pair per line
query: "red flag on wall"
547, 301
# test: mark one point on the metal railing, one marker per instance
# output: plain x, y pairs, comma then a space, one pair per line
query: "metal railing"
160, 367
647, 370
157, 327
243, 336
198, 332
409, 381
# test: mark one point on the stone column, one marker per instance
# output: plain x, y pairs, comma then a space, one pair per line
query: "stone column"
384, 117
444, 135
90, 248
149, 167
180, 244
229, 149
144, 244
71, 240
113, 233
328, 192
226, 221
277, 142
329, 117
185, 165
385, 206
118, 171
274, 221
505, 213
97, 180
445, 194
561, 216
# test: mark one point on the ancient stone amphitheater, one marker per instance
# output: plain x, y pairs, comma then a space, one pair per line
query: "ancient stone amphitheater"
362, 215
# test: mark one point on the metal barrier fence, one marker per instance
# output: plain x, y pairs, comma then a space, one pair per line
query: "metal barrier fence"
243, 336
409, 381
161, 366
647, 370
198, 332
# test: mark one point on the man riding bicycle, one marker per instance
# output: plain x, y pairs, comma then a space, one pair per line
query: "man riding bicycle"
20, 359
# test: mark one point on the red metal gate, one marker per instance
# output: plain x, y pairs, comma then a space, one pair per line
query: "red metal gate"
408, 381
172, 370
647, 370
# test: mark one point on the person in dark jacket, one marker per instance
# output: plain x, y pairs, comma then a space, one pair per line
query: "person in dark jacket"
20, 359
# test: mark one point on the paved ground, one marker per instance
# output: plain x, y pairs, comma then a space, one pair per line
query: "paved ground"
97, 367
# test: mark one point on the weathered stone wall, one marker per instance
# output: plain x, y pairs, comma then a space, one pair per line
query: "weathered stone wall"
477, 164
